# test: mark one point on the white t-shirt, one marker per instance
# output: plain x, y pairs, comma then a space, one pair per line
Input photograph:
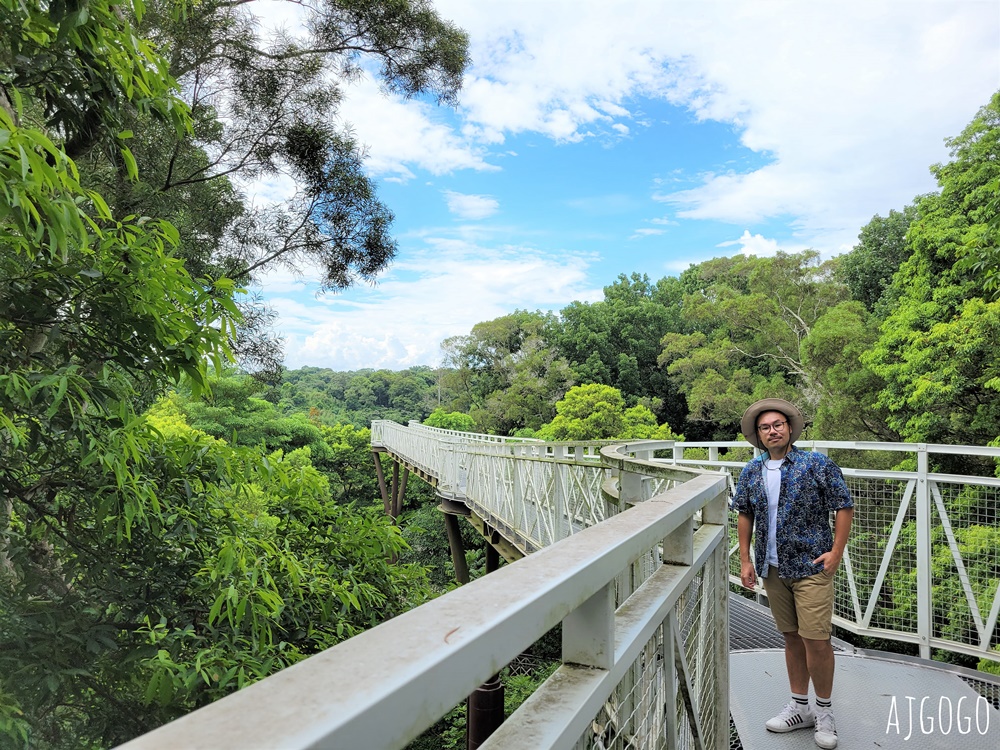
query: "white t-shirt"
772, 470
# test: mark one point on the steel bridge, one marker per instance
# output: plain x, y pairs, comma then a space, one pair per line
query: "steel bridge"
628, 546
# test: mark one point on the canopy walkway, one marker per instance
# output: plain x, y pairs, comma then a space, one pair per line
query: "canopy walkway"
628, 546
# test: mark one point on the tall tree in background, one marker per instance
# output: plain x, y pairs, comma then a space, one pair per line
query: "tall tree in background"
103, 305
264, 105
598, 412
937, 351
505, 373
882, 247
616, 341
751, 317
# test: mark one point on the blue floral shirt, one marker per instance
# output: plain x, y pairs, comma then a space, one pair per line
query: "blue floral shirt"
811, 486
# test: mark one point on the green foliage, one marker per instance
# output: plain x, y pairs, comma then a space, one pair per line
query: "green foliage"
598, 412
615, 341
750, 319
147, 567
951, 614
280, 114
989, 665
506, 375
833, 351
255, 569
231, 411
868, 269
450, 420
87, 69
936, 353
424, 532
360, 397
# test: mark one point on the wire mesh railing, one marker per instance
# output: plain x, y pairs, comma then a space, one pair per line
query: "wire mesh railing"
921, 564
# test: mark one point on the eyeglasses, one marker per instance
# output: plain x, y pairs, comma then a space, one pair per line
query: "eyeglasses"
766, 428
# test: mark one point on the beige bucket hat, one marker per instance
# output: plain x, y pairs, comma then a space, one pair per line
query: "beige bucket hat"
748, 425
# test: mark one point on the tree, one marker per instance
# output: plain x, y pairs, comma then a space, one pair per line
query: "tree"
937, 348
506, 373
84, 71
98, 316
833, 351
751, 318
598, 412
868, 269
268, 105
615, 341
255, 569
450, 420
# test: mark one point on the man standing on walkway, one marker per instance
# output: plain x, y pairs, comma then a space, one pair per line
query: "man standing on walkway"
784, 498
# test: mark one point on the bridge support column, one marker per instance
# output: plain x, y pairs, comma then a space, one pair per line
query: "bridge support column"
485, 706
485, 712
457, 551
393, 490
492, 558
381, 481
400, 495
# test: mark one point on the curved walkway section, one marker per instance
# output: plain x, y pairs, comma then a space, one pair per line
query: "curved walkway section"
881, 700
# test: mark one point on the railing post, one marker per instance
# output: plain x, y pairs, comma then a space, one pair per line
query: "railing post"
924, 602
671, 729
588, 632
712, 514
630, 482
559, 499
678, 548
517, 488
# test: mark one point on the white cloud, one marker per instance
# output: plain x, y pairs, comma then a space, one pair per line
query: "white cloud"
845, 102
640, 233
402, 135
439, 291
753, 244
850, 101
471, 207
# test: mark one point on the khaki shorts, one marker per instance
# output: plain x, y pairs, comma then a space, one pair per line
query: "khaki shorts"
803, 605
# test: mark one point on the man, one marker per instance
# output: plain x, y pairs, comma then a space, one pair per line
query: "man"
784, 498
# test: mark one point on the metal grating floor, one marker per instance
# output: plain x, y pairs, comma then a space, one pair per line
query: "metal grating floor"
877, 697
751, 627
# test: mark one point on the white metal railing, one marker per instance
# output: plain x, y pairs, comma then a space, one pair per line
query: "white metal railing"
438, 452
536, 494
642, 601
921, 564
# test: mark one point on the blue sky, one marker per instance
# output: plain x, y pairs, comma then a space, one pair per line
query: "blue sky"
594, 138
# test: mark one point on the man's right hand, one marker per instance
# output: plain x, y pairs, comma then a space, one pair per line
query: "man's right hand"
748, 576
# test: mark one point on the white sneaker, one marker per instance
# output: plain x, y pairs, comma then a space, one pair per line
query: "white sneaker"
826, 731
792, 717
